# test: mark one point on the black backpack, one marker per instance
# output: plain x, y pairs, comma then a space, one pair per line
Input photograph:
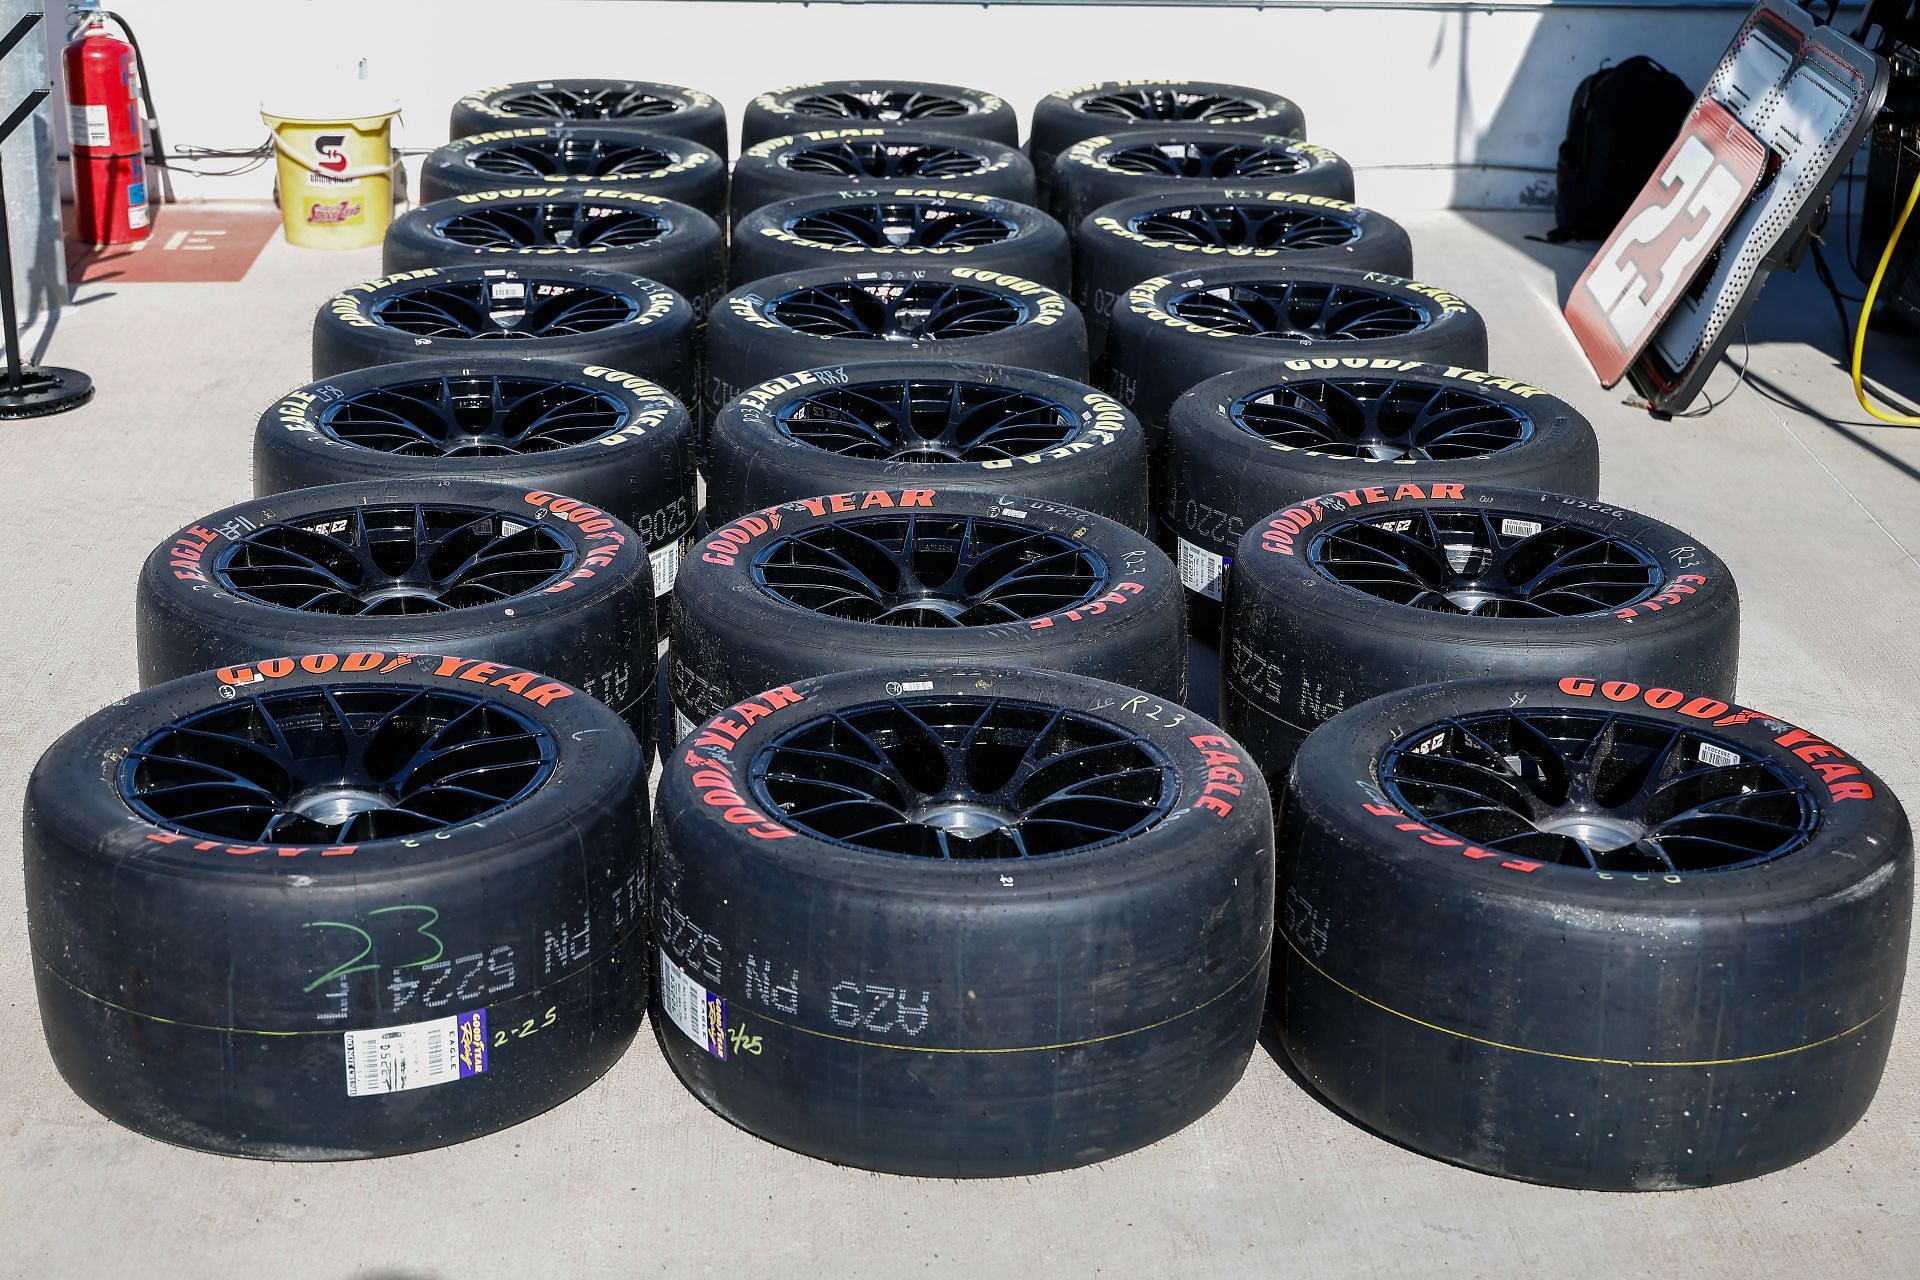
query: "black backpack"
1621, 123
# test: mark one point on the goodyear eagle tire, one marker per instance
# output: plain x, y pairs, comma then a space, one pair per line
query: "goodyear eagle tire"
536, 313
1065, 116
1179, 157
633, 233
945, 1006
926, 423
1658, 943
809, 319
637, 104
910, 104
823, 161
578, 155
244, 940
1167, 233
924, 577
1381, 587
1170, 333
515, 576
880, 228
606, 438
1243, 445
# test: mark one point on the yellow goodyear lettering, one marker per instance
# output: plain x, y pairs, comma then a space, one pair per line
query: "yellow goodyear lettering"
560, 193
502, 135
1382, 364
1142, 301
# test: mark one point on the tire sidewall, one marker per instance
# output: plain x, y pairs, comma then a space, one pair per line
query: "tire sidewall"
761, 177
1037, 249
745, 346
727, 645
1153, 357
689, 258
753, 464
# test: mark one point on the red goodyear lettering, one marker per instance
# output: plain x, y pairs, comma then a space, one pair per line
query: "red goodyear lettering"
1121, 593
314, 663
247, 850
1844, 778
725, 729
186, 551
713, 777
1441, 840
724, 546
591, 521
490, 674
520, 682
1279, 533
1226, 774
839, 502
1673, 593
1830, 762
1659, 699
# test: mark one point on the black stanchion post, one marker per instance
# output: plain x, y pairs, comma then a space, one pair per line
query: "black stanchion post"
27, 391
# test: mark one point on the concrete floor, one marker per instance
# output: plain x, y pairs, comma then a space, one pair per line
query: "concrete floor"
1814, 509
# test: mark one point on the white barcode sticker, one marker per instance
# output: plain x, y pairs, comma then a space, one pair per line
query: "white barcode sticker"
666, 567
1201, 570
681, 725
395, 1059
699, 1013
1718, 757
1519, 528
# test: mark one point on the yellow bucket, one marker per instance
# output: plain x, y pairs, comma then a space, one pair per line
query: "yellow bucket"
336, 166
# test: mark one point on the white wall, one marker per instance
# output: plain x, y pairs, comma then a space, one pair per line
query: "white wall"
1394, 91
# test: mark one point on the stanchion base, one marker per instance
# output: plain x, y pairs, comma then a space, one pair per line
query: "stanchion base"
43, 390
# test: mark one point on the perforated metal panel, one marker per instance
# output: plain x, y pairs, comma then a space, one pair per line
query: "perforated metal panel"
1809, 95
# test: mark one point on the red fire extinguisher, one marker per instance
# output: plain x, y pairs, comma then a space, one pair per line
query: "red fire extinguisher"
109, 147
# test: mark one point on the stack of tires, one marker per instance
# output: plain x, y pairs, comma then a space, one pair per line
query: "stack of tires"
935, 461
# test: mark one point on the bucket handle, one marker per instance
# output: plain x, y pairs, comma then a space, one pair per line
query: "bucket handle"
345, 175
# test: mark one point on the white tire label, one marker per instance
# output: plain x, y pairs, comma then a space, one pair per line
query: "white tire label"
699, 1013
666, 567
1519, 528
1717, 757
395, 1059
1201, 570
681, 725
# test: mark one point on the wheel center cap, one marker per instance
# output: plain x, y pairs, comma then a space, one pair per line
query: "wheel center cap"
966, 820
399, 591
334, 806
953, 610
1600, 832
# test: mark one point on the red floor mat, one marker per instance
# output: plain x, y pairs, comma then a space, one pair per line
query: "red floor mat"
189, 245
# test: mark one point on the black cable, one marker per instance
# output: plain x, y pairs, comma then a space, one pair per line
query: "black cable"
1851, 230
1825, 274
1746, 359
1701, 411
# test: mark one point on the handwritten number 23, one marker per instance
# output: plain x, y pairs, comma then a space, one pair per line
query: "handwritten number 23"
360, 963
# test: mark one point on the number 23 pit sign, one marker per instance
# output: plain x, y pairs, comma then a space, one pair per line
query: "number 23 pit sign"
1674, 224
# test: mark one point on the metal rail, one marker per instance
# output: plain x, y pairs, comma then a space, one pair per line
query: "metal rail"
1397, 6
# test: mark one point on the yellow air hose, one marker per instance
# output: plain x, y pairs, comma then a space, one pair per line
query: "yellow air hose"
1866, 310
